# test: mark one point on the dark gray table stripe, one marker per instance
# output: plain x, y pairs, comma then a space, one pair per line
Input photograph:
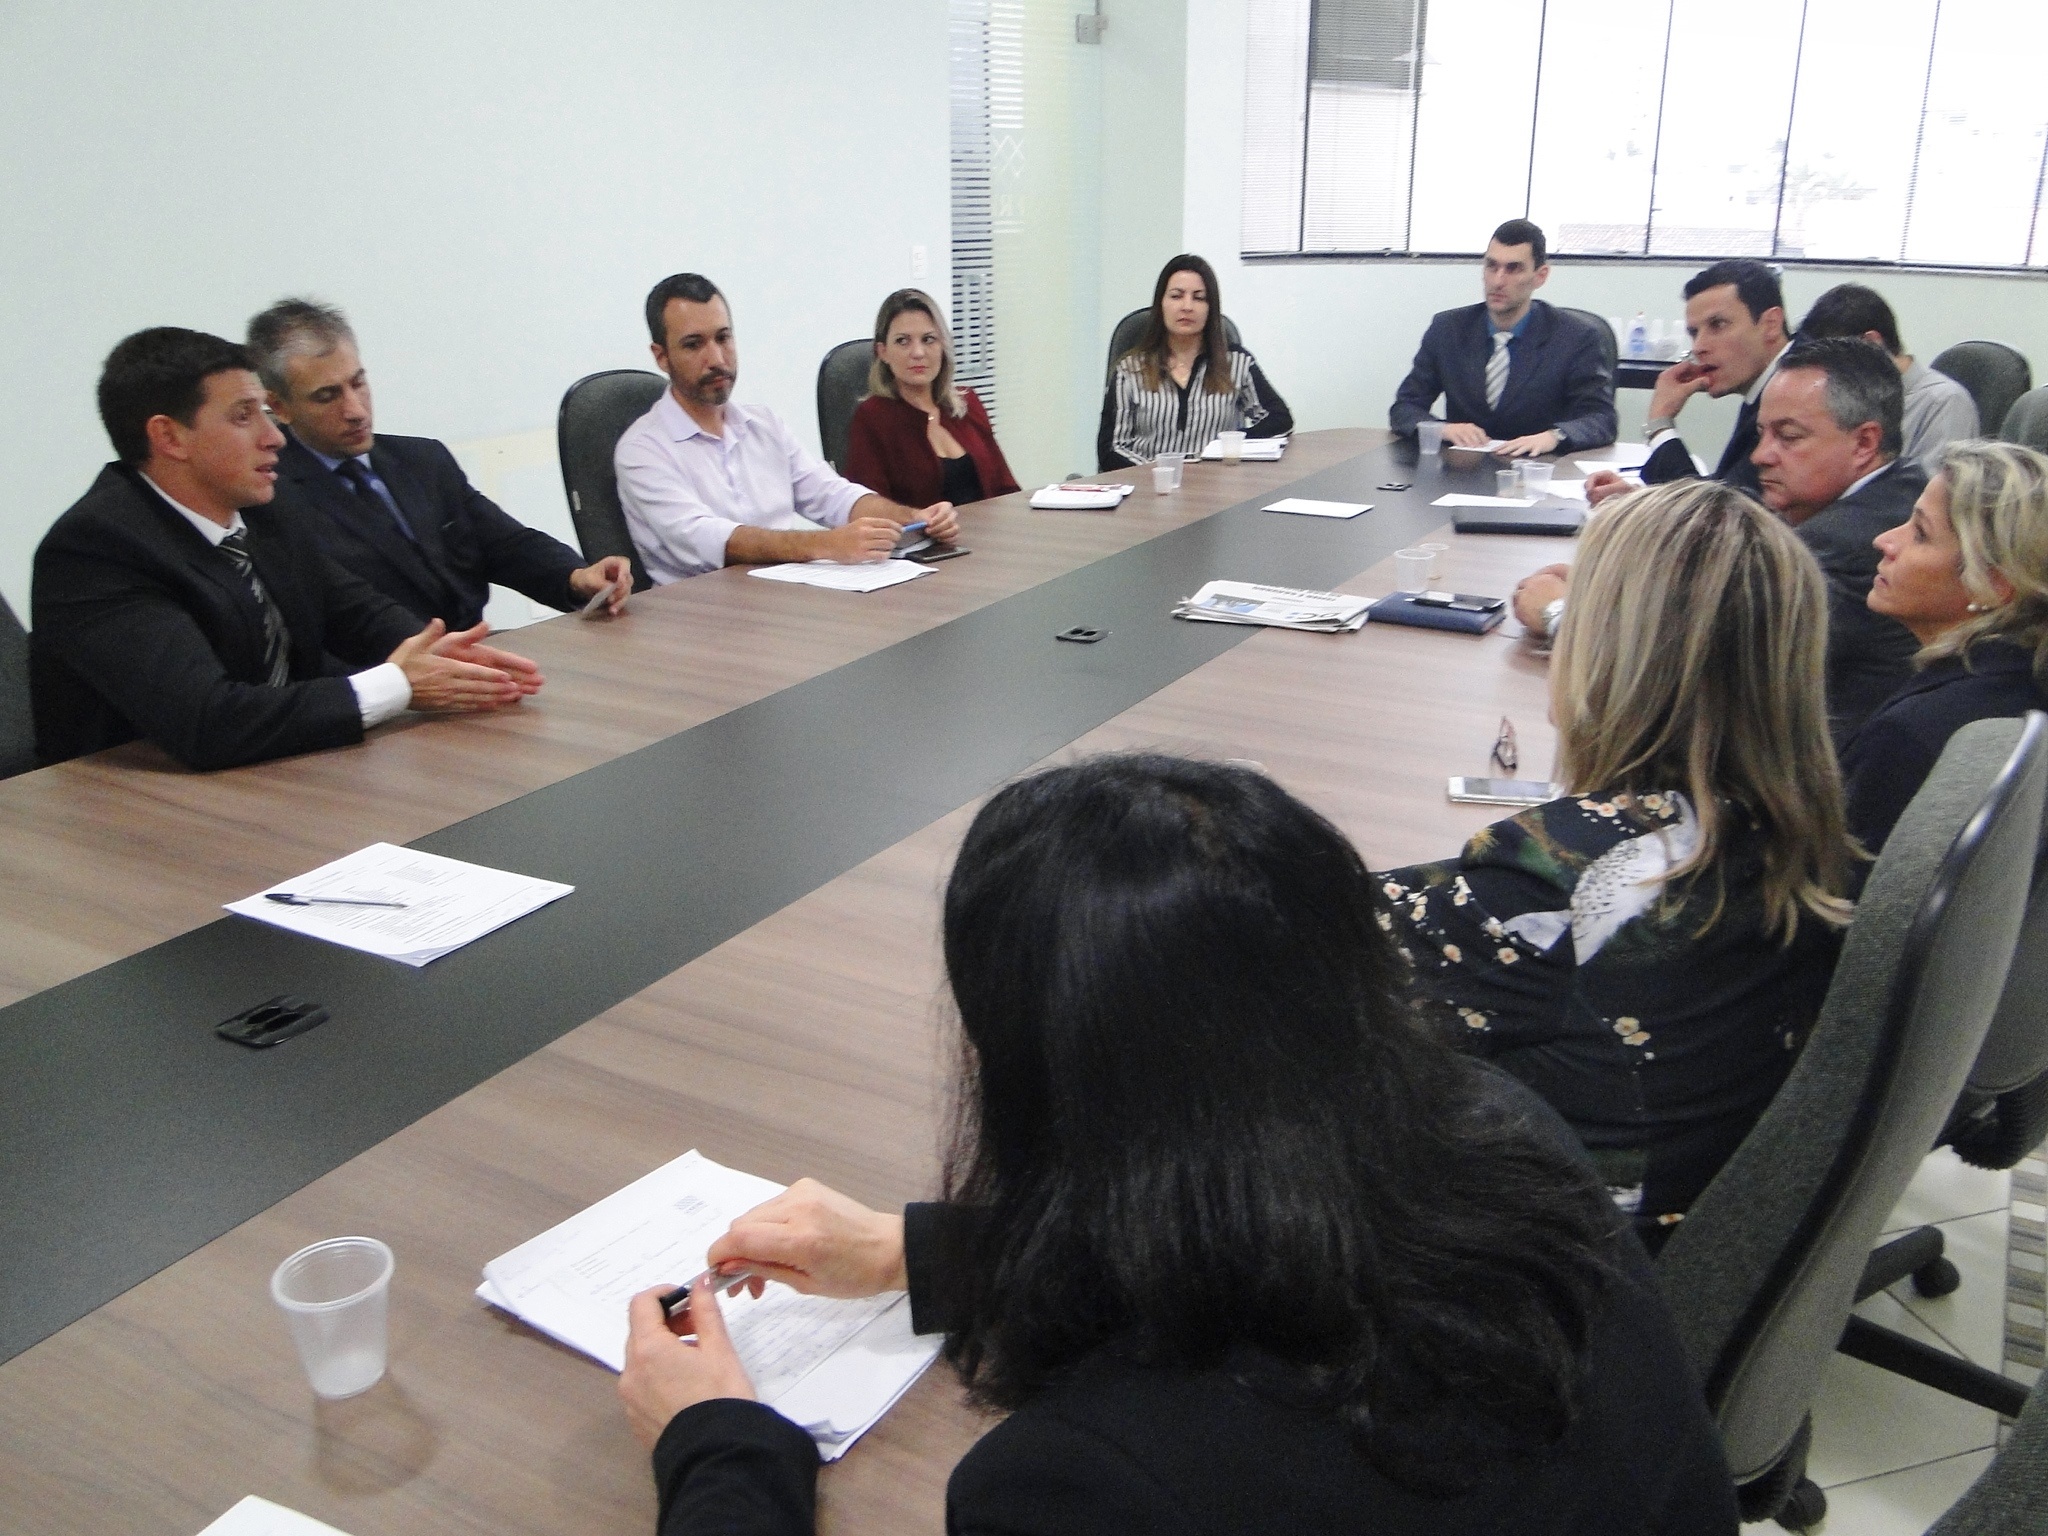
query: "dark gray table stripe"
130, 1135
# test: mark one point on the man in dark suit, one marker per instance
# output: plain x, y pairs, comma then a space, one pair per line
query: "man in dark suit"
1512, 369
1735, 313
1827, 461
170, 602
398, 511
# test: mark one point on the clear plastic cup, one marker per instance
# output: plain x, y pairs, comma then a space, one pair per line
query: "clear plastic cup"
1176, 462
1536, 477
333, 1296
1436, 553
1233, 446
1508, 482
1411, 569
1429, 436
1163, 477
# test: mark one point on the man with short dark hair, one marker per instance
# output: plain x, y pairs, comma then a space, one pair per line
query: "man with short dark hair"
171, 602
1827, 460
1938, 409
706, 483
1735, 312
398, 511
1511, 369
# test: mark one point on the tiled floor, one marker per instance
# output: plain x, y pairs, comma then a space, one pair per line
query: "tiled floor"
1892, 1454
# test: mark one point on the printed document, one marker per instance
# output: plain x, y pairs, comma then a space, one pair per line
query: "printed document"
1257, 450
416, 906
832, 1367
1311, 508
871, 577
260, 1517
1245, 602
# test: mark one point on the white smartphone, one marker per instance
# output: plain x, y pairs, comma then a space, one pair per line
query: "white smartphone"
1503, 791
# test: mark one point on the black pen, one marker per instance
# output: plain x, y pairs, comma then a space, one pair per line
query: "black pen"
680, 1296
290, 899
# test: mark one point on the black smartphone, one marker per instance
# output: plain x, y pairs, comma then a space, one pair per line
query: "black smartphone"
932, 554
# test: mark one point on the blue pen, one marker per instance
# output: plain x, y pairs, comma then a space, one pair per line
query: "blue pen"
908, 529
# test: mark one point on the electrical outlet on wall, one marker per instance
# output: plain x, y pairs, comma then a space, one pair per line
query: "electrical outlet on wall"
920, 261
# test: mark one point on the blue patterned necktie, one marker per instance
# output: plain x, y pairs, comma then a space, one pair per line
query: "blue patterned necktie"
357, 479
276, 651
1497, 368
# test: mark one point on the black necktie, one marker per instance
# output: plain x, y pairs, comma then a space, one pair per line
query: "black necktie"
358, 480
1741, 443
276, 647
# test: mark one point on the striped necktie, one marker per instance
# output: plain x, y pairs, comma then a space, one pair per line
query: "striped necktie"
276, 651
1497, 368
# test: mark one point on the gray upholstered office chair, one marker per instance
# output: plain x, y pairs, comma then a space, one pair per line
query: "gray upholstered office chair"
1132, 326
1763, 1271
842, 381
596, 410
17, 726
1993, 373
2010, 1497
1610, 349
2027, 422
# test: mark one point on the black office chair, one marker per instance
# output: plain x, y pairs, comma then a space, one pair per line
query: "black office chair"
2010, 1497
1610, 350
1132, 326
596, 410
1763, 1271
1993, 373
2027, 422
842, 382
17, 725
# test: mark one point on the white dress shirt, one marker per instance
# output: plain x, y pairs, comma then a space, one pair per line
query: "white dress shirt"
685, 491
382, 692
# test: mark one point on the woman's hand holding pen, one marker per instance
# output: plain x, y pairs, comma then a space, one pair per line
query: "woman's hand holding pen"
666, 1373
815, 1240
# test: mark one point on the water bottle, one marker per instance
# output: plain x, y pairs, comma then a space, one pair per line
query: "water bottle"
1638, 336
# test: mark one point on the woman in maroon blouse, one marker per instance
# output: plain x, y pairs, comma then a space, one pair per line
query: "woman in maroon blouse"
916, 435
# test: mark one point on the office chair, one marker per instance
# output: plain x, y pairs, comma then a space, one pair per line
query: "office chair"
1763, 1271
1993, 373
2010, 1497
1610, 349
596, 410
17, 725
2027, 422
842, 381
1132, 326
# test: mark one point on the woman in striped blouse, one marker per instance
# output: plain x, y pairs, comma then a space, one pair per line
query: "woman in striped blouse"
1184, 381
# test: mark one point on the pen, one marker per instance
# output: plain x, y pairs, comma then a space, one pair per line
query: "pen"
680, 1296
908, 529
289, 899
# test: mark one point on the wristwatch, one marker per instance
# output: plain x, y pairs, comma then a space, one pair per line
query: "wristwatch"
1553, 615
1657, 424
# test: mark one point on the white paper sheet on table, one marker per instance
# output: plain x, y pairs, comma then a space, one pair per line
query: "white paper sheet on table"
1075, 496
871, 577
1622, 456
1309, 507
1571, 490
1257, 450
832, 1367
1458, 499
260, 1517
447, 903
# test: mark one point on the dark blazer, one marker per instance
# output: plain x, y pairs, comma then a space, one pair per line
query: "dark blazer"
1127, 1450
889, 451
1557, 377
1886, 762
141, 628
1672, 460
1870, 657
466, 541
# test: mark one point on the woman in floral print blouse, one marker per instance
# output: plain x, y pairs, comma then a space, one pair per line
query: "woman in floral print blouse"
1648, 952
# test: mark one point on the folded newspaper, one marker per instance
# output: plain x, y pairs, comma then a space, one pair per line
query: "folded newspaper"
1244, 602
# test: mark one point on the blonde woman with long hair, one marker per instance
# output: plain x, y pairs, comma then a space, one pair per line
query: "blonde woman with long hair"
919, 433
1967, 573
1648, 952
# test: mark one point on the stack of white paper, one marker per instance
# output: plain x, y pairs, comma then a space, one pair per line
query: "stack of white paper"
871, 577
426, 906
1257, 450
1619, 456
1459, 499
1309, 507
831, 1367
1073, 496
1244, 602
260, 1517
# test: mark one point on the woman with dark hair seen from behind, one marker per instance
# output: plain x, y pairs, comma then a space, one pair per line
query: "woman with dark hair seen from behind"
1968, 574
1185, 381
1649, 952
917, 430
1239, 1245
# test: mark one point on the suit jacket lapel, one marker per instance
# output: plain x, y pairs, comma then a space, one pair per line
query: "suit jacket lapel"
1472, 356
370, 525
205, 561
418, 507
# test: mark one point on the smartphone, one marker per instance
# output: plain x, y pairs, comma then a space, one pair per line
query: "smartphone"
1462, 602
932, 554
596, 607
1503, 791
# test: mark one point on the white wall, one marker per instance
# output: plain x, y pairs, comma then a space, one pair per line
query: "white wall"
1336, 337
489, 189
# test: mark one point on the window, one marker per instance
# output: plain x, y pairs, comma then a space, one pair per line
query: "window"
1825, 130
987, 92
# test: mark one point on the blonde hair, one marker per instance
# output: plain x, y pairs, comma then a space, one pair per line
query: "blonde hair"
1998, 506
1692, 658
881, 381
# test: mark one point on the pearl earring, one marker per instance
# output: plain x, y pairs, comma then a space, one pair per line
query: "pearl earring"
1976, 607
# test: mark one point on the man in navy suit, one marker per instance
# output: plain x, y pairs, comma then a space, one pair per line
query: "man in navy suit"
398, 511
1512, 369
171, 602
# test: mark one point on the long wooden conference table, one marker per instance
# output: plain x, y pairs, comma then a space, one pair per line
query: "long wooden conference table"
757, 790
